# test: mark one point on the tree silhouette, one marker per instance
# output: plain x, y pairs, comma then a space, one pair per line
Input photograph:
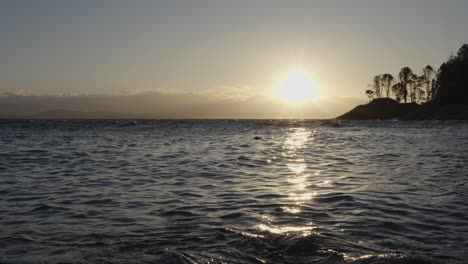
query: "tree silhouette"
447, 86
377, 86
370, 94
415, 84
452, 80
463, 52
397, 89
428, 74
405, 76
387, 81
420, 95
433, 89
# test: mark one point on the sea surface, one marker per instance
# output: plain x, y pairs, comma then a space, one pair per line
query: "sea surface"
234, 192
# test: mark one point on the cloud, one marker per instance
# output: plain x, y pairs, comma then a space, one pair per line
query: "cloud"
21, 92
233, 93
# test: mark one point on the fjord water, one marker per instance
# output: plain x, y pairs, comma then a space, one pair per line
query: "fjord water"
233, 192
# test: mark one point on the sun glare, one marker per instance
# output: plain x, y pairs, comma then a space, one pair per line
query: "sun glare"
296, 87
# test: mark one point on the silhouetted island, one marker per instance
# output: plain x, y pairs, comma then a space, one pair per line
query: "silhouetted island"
439, 95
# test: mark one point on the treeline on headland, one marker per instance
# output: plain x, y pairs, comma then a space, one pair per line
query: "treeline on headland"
418, 88
441, 94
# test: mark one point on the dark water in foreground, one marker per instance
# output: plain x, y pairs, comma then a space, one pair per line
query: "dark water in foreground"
233, 192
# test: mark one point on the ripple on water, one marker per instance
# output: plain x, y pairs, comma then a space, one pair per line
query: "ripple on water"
233, 192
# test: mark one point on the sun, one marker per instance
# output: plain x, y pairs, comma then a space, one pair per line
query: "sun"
296, 87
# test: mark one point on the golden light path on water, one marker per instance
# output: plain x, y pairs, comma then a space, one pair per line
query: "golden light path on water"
296, 141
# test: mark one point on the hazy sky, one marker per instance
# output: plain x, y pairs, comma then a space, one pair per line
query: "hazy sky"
219, 46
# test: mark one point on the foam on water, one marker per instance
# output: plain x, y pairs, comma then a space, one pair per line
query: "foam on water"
233, 192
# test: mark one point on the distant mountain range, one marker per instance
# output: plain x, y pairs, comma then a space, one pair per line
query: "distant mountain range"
69, 114
161, 105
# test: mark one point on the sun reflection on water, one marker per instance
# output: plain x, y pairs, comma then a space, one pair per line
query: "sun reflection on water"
296, 168
297, 138
300, 198
286, 230
296, 142
291, 210
298, 180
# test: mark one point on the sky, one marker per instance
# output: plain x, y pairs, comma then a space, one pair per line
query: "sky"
229, 51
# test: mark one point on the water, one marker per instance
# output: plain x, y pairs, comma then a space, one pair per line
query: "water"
233, 192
